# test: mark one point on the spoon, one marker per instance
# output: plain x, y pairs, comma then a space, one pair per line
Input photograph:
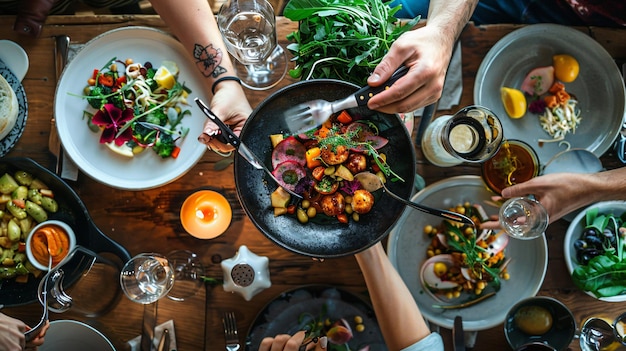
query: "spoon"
371, 182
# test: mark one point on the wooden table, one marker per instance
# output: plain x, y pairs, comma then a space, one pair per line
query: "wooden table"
148, 220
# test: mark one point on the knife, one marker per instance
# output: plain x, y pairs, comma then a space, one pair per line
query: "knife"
164, 343
229, 137
61, 52
457, 334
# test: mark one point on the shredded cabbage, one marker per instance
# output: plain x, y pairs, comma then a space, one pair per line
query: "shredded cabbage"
560, 120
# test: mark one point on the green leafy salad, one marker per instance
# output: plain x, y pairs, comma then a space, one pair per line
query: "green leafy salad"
342, 39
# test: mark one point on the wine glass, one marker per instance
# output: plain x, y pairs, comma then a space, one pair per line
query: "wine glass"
188, 271
147, 277
523, 217
249, 31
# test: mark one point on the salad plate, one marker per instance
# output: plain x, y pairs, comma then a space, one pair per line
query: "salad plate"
407, 245
8, 142
599, 87
145, 170
292, 310
14, 57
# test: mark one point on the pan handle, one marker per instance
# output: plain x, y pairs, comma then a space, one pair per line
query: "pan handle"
99, 242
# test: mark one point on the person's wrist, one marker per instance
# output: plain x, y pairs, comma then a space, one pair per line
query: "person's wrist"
223, 81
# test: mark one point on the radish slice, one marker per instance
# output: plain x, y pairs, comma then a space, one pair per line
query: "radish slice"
289, 149
289, 174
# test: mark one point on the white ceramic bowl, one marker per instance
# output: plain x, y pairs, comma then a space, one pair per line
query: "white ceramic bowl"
69, 335
66, 228
575, 230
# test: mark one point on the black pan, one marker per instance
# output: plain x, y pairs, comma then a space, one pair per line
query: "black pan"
320, 240
75, 214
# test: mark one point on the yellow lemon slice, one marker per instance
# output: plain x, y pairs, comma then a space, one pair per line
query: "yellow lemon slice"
123, 149
566, 68
514, 102
164, 78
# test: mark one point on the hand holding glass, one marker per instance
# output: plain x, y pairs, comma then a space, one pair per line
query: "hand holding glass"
249, 31
523, 218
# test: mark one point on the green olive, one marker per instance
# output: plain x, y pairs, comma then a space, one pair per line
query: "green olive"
533, 320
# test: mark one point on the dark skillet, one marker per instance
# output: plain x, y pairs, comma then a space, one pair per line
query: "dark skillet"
320, 240
75, 214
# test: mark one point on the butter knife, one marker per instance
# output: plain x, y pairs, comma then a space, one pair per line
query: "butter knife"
61, 52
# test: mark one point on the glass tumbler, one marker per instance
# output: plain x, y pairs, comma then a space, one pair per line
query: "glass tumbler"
523, 217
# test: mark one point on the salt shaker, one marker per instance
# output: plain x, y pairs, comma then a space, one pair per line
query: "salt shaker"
246, 273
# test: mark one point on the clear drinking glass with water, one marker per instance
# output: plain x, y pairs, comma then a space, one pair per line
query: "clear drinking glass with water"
523, 217
147, 277
249, 31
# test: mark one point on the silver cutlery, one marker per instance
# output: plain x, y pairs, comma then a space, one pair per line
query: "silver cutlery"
230, 331
61, 53
164, 342
229, 137
312, 114
31, 334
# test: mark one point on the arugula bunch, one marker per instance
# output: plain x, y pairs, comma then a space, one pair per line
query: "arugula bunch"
342, 39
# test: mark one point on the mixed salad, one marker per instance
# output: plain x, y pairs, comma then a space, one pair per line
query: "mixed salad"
137, 106
601, 254
464, 265
321, 166
338, 331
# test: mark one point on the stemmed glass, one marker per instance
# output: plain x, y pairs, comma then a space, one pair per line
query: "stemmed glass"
188, 272
147, 277
523, 217
249, 31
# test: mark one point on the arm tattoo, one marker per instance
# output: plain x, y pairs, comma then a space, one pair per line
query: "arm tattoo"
208, 60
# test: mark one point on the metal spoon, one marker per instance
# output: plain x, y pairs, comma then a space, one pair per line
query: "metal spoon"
371, 182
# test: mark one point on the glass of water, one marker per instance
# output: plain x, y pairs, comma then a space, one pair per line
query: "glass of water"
147, 277
523, 217
249, 31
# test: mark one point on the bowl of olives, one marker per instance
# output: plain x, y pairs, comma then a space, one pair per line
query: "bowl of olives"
539, 320
595, 249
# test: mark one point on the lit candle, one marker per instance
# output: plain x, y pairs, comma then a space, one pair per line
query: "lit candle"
206, 214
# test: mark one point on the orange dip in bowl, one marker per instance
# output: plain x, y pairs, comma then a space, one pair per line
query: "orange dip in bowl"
50, 238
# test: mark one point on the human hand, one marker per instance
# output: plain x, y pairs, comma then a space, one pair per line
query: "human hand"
284, 342
427, 52
230, 104
39, 339
12, 333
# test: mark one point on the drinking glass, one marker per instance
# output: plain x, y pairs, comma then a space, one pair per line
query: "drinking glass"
523, 217
188, 272
249, 31
473, 134
147, 277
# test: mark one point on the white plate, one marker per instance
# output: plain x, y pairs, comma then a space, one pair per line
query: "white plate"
407, 245
69, 335
576, 228
8, 142
146, 170
14, 57
599, 86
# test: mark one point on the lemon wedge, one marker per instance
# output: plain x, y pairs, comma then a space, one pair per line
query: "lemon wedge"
164, 78
514, 102
123, 149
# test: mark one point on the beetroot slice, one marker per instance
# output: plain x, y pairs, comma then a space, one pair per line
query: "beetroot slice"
290, 149
366, 135
289, 174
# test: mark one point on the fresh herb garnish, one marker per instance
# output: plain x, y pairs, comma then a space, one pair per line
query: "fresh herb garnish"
342, 39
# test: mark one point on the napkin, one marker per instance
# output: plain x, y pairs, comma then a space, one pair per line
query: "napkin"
135, 343
453, 85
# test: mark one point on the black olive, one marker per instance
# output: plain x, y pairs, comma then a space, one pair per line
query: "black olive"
594, 242
580, 244
584, 256
590, 232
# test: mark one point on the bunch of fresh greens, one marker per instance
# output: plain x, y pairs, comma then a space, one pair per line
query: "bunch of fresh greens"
342, 39
605, 274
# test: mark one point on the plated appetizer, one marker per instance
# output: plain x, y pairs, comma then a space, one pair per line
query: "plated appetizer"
464, 266
137, 106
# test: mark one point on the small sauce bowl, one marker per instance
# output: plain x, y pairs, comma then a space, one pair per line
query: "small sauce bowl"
53, 234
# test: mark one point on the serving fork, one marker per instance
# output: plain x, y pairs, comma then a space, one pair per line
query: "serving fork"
308, 115
230, 331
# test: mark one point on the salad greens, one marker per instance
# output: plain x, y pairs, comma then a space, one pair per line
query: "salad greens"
137, 107
604, 237
342, 39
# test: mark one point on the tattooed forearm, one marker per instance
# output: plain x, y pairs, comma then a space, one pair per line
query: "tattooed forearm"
208, 60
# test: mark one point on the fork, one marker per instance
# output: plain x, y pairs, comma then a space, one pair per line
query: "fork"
230, 331
312, 114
